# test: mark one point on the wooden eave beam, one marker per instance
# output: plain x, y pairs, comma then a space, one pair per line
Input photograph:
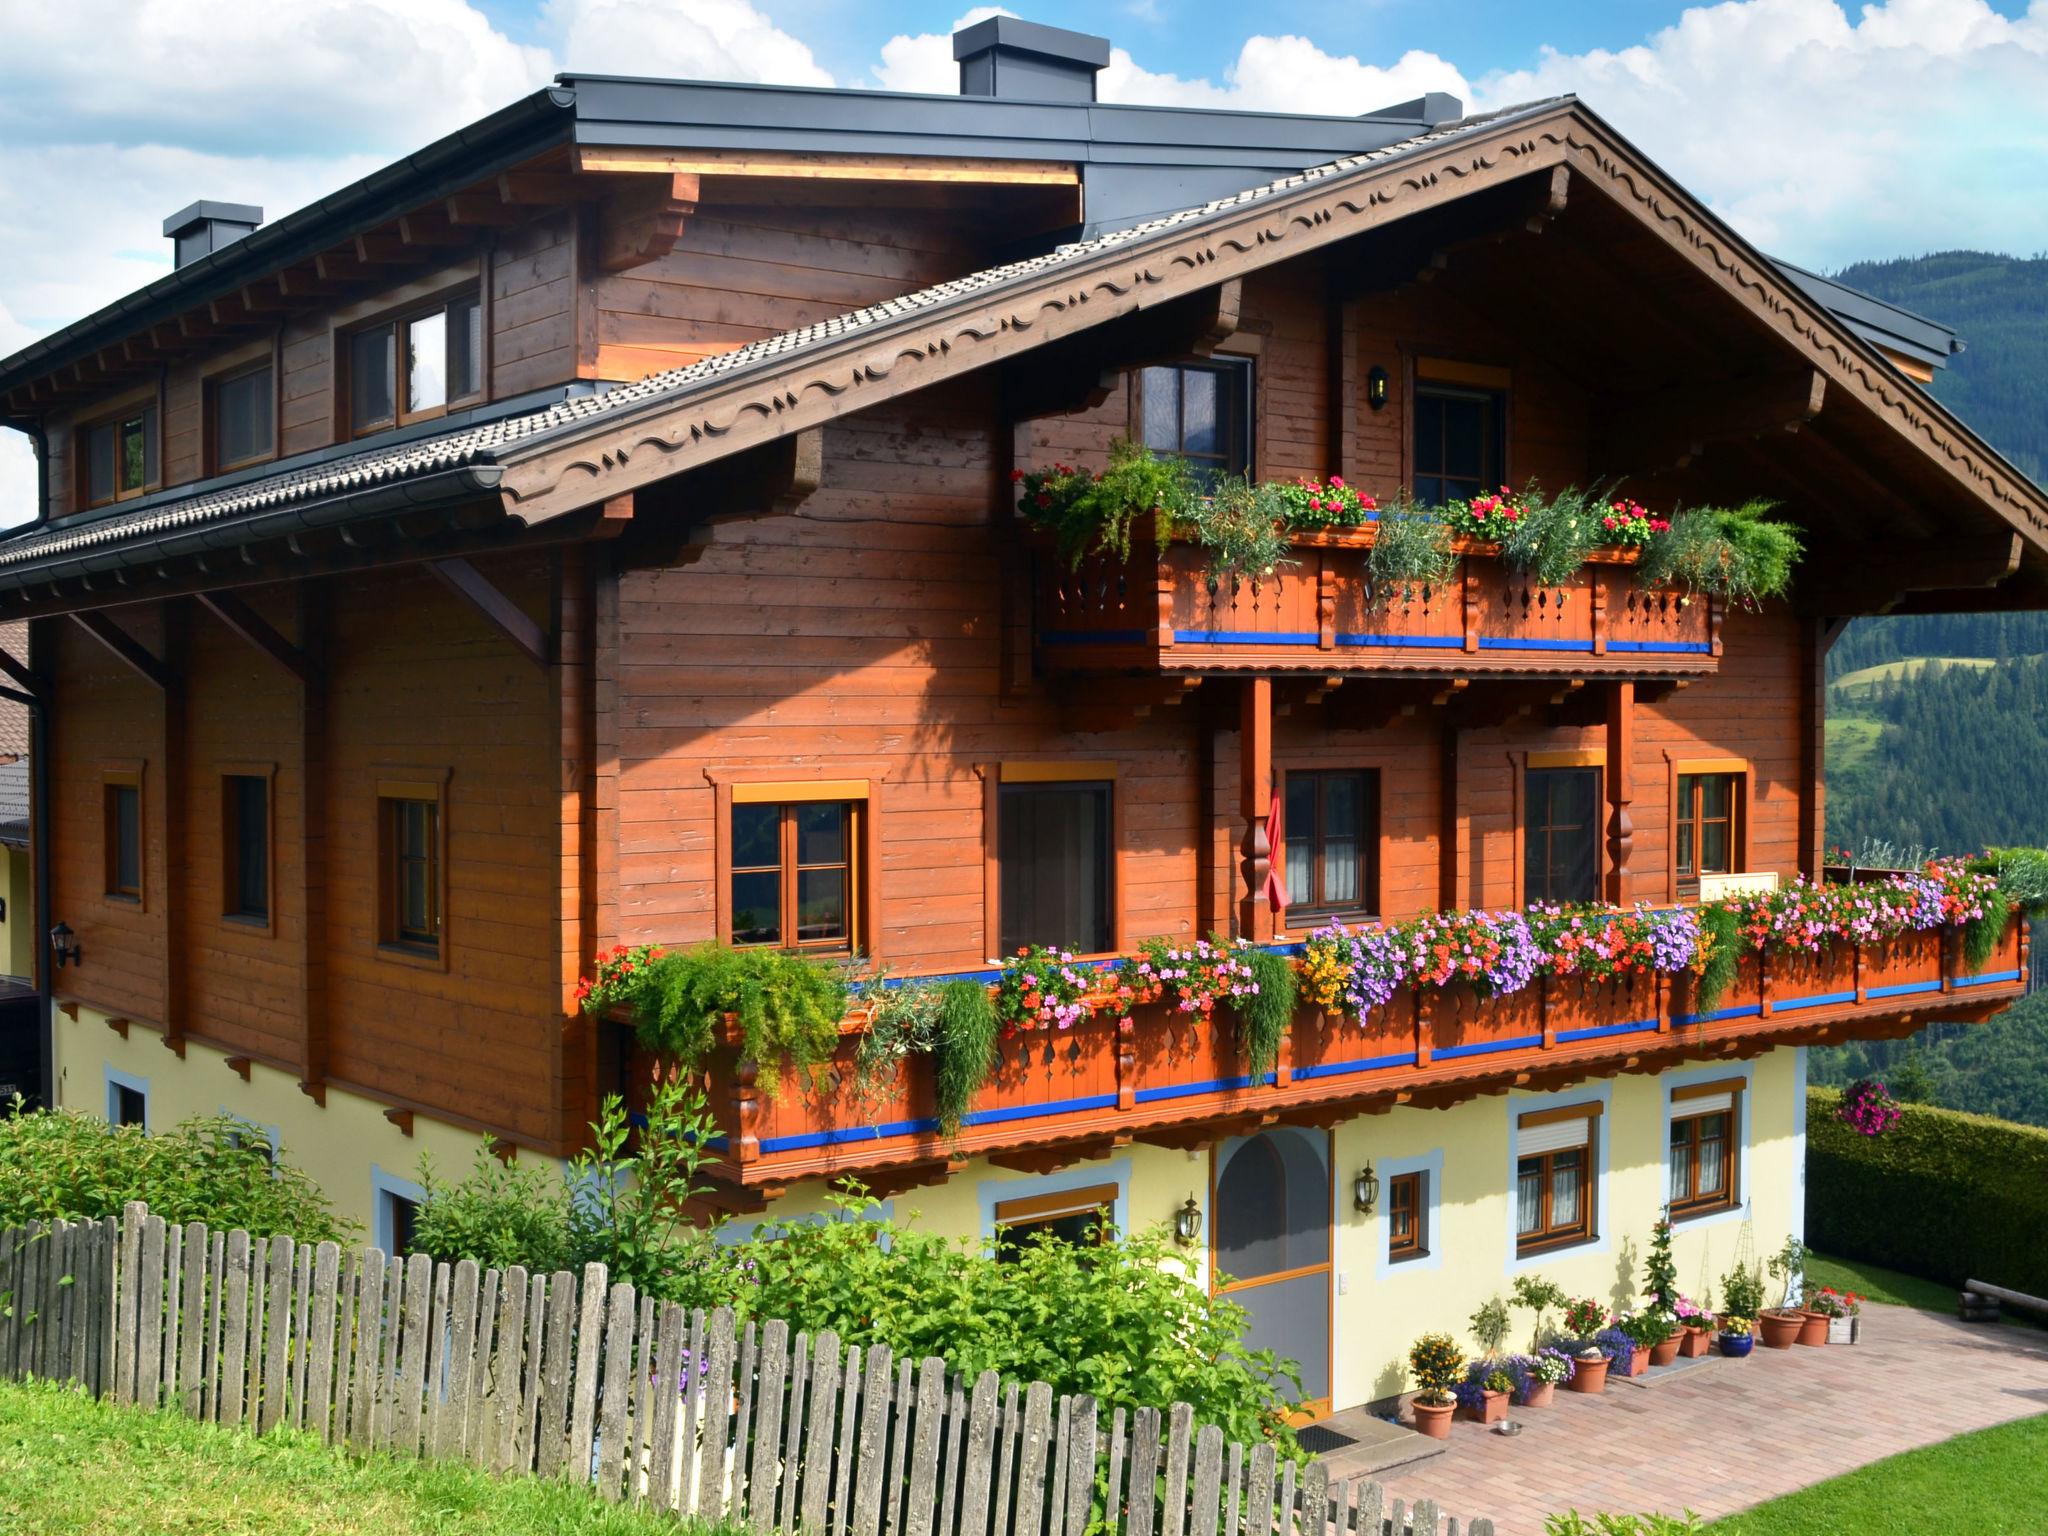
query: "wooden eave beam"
648, 160
125, 648
1081, 373
235, 612
298, 283
383, 248
342, 266
771, 480
1671, 428
484, 208
643, 220
547, 189
19, 673
496, 609
430, 227
1956, 562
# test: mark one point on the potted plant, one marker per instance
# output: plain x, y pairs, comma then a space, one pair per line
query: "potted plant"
1541, 1297
1628, 1357
1436, 1362
1589, 1369
1787, 1323
1835, 1307
1696, 1328
1542, 1372
1483, 1395
1738, 1335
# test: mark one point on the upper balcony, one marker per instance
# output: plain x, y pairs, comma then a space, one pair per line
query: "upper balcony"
1178, 1079
1160, 611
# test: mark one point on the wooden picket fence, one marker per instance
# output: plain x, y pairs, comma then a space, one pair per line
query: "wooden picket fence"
651, 1404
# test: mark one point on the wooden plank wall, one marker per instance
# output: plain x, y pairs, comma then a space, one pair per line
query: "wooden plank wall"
641, 1402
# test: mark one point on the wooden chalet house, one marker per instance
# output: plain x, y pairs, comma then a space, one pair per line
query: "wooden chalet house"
605, 515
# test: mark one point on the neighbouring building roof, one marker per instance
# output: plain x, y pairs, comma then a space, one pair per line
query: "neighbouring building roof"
1877, 320
14, 804
14, 716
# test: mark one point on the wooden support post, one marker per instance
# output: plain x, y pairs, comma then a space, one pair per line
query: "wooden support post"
125, 649
1621, 743
1255, 803
20, 673
575, 1085
497, 610
177, 910
312, 893
1815, 637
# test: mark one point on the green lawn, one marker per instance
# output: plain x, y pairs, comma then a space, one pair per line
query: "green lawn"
72, 1465
1892, 1288
1991, 1483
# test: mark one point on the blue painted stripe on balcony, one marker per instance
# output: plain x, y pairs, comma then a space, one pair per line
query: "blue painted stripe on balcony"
1987, 980
1818, 1000
1903, 989
1360, 639
1059, 637
1486, 1048
1532, 643
1664, 647
1038, 1111
1747, 1010
841, 1135
1214, 1085
1246, 637
1346, 1068
1603, 1031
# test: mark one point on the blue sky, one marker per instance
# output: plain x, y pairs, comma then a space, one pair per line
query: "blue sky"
1824, 131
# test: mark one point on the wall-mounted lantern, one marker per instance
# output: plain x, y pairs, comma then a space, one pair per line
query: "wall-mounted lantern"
1187, 1223
64, 947
1365, 1190
1377, 386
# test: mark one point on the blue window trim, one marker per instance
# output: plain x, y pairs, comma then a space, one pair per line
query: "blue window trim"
382, 1184
115, 1078
988, 1193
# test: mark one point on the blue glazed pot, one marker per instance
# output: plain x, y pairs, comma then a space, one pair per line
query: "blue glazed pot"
1736, 1345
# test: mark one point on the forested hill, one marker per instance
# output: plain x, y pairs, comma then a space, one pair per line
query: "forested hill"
1999, 306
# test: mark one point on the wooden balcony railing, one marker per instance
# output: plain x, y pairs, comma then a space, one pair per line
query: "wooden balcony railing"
1067, 1095
1158, 610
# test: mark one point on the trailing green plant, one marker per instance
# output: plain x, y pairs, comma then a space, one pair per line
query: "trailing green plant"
2021, 873
212, 1168
965, 1053
903, 1021
1242, 526
1411, 550
1264, 1016
1490, 1327
787, 1005
1554, 535
1737, 553
1719, 955
1095, 514
499, 1214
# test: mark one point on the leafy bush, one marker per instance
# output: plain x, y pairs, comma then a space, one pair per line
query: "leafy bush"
788, 1005
1737, 553
212, 1168
1949, 1196
1241, 525
1411, 549
629, 1197
1490, 1328
498, 1214
1572, 1523
1742, 1292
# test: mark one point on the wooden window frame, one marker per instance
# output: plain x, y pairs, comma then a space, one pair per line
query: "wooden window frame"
124, 775
1549, 1238
1416, 1244
1460, 376
1729, 1196
115, 415
230, 869
398, 316
210, 415
1369, 847
1033, 1210
1525, 763
736, 786
789, 870
393, 786
1680, 888
1242, 369
1031, 771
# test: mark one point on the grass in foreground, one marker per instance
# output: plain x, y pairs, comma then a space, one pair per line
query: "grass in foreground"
68, 1464
1988, 1484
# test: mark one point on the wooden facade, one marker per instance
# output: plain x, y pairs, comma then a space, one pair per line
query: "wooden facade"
852, 601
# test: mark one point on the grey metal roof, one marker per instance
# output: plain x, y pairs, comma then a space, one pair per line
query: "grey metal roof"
1877, 320
464, 461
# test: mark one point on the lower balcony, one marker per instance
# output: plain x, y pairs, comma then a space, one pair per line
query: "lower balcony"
1059, 1097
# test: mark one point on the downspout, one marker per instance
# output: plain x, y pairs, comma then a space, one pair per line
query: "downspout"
39, 852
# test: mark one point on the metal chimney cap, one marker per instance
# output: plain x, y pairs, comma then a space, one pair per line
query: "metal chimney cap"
1031, 37
185, 220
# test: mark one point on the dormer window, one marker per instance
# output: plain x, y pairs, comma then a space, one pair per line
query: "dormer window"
119, 457
415, 366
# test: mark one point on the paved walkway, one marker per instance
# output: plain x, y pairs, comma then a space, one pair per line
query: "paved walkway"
1732, 1433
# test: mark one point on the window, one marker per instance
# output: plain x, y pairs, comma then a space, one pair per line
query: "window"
1561, 840
1330, 833
401, 1219
1200, 412
122, 837
1406, 1238
793, 869
245, 846
131, 1105
1459, 442
1554, 1177
242, 414
1083, 1217
1054, 848
119, 457
1701, 1160
411, 858
1705, 825
415, 366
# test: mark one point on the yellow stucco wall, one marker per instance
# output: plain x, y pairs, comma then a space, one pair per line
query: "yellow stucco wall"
1377, 1308
17, 927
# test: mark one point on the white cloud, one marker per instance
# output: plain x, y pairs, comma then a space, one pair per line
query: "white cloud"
1287, 74
924, 61
1921, 125
683, 39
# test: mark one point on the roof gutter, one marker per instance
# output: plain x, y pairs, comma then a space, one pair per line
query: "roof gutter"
447, 487
507, 136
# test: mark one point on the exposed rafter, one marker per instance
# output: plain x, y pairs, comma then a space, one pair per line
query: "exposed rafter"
126, 649
497, 610
245, 621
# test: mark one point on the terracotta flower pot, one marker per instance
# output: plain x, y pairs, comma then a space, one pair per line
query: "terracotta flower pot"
1666, 1352
1493, 1407
1694, 1342
1590, 1375
1433, 1419
1539, 1394
1778, 1328
1813, 1328
1638, 1362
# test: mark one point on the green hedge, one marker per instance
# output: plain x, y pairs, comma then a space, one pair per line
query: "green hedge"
1950, 1196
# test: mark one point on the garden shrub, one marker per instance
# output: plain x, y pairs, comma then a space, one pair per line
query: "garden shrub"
498, 1214
1948, 1196
215, 1168
788, 1005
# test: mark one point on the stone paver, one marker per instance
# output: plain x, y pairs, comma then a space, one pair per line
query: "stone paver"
1720, 1440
